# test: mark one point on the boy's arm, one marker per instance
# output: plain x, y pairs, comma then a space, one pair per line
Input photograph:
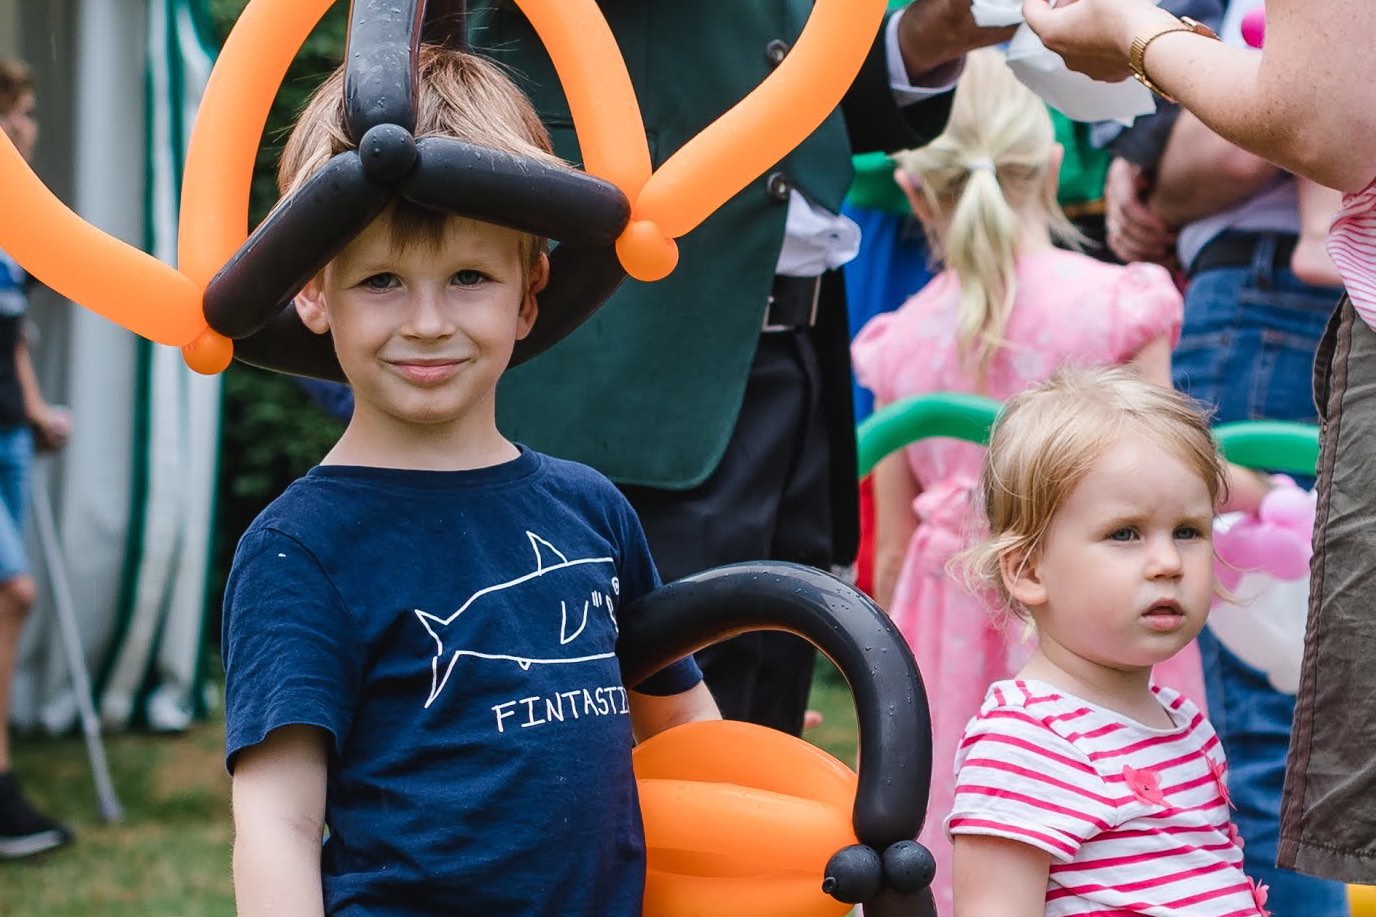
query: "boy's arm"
279, 818
652, 714
1021, 869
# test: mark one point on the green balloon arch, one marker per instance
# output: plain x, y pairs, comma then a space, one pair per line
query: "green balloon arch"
1272, 445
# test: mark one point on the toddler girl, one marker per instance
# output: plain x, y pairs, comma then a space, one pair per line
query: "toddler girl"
1007, 311
1081, 786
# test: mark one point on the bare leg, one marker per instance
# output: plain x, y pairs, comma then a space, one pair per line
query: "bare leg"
16, 598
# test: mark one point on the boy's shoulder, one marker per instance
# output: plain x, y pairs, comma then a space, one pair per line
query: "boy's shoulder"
576, 474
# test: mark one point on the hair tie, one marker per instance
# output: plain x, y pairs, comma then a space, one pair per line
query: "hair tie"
983, 164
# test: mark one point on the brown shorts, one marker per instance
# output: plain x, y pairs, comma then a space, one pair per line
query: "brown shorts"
1328, 814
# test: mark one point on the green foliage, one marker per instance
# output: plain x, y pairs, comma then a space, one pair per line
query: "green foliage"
271, 433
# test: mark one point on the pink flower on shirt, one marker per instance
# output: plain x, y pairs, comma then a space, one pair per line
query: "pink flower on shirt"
1220, 772
1235, 835
1259, 894
1145, 785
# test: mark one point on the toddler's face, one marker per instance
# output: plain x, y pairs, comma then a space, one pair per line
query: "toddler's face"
1127, 565
424, 332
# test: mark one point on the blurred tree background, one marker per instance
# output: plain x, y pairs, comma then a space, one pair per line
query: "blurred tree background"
271, 433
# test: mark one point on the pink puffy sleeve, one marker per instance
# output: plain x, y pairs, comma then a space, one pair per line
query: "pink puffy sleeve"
874, 355
1146, 306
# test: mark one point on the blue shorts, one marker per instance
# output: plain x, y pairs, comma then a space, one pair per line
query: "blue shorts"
16, 455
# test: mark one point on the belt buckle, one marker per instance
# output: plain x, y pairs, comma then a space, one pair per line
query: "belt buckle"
766, 327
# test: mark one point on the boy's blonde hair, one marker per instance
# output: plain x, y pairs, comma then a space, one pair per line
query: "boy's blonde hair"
462, 96
987, 169
1047, 439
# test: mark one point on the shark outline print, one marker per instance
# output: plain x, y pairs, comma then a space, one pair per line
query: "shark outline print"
569, 630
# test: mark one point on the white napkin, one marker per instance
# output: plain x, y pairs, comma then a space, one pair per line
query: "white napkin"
1044, 72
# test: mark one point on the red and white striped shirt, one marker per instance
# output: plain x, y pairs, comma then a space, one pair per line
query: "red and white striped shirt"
1135, 818
1352, 246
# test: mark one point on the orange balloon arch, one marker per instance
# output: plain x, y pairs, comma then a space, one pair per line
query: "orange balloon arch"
165, 304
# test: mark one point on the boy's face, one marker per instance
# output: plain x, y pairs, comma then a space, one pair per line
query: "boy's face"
424, 332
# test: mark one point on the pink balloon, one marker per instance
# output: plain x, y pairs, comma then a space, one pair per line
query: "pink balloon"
1254, 27
1243, 546
1286, 555
1289, 507
1227, 577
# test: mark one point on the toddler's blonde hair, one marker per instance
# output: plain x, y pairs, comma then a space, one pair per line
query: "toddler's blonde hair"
986, 170
1045, 441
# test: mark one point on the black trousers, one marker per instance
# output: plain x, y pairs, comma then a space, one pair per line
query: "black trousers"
769, 498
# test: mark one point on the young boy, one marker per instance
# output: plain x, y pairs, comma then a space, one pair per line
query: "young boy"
419, 634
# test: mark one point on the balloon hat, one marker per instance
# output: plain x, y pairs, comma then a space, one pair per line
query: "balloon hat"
744, 821
231, 293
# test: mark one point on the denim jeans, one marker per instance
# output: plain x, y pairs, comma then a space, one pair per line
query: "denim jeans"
16, 455
1247, 349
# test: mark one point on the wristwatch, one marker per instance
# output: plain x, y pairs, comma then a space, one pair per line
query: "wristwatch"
1138, 51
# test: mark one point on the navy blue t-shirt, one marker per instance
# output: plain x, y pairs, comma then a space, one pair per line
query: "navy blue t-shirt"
454, 633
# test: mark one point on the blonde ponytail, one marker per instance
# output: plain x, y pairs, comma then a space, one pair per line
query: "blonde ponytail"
982, 179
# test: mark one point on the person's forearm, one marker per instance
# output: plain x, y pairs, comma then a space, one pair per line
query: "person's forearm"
1303, 104
277, 872
1265, 104
1201, 174
35, 407
894, 523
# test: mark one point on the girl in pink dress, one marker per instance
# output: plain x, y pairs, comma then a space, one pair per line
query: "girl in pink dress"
1008, 310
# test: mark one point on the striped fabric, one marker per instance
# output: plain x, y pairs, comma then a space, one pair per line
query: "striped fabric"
1135, 818
1352, 246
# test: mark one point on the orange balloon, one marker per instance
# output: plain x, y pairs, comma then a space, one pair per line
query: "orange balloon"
727, 751
229, 126
602, 101
210, 353
110, 277
645, 252
740, 820
671, 895
764, 126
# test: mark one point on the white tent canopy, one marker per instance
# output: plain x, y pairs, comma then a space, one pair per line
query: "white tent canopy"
118, 85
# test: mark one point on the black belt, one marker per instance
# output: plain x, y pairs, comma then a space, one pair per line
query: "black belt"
1234, 248
792, 303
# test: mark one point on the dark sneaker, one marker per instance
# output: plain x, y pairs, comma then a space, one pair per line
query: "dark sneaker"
24, 831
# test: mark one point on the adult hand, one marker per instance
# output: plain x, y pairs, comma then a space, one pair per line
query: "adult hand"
1135, 232
932, 33
1093, 36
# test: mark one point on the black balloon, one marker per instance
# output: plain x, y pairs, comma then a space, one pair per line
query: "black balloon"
295, 242
855, 634
249, 300
380, 65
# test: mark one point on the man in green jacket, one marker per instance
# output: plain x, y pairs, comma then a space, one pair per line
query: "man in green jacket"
719, 398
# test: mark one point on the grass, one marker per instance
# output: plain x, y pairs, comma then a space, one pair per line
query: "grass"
169, 857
